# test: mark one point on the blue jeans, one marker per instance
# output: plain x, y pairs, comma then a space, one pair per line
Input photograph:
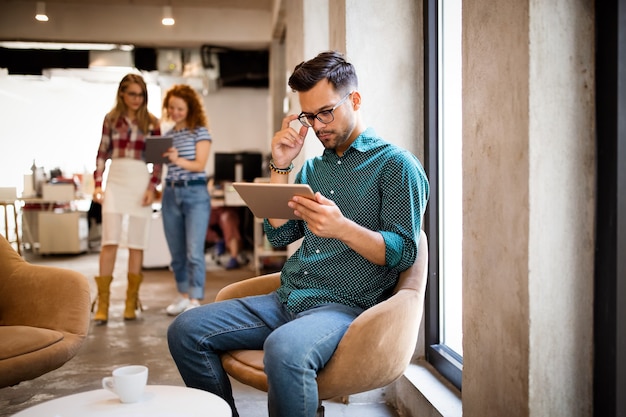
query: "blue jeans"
186, 212
296, 347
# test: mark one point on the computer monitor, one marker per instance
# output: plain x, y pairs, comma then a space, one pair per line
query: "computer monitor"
238, 166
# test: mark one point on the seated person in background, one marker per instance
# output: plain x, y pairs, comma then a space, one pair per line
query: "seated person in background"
224, 232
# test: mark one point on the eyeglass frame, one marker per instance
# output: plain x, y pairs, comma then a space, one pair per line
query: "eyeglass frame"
308, 116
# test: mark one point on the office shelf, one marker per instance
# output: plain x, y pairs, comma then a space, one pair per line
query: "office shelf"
262, 248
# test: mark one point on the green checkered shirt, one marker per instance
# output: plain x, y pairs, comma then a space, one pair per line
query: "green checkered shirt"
377, 185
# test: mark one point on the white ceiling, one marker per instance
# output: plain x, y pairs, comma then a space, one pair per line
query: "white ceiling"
231, 4
238, 23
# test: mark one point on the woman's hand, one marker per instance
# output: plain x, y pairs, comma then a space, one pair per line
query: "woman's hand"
148, 198
98, 195
171, 154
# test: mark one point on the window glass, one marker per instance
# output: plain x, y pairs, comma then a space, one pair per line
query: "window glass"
450, 176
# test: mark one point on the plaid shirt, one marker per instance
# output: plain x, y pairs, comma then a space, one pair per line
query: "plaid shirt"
123, 139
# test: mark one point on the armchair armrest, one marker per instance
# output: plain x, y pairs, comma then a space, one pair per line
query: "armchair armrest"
45, 297
263, 284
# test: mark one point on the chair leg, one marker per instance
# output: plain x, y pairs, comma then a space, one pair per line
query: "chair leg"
320, 410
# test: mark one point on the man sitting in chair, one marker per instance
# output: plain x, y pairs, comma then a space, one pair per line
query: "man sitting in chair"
360, 232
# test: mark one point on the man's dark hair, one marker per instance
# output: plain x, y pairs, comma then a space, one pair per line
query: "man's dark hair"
330, 65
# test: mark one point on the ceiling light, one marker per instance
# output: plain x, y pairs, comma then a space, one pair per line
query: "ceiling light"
167, 20
40, 12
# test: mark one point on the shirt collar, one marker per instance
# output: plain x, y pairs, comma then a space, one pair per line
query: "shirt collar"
366, 141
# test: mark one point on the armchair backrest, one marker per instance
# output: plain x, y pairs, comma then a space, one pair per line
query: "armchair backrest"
379, 344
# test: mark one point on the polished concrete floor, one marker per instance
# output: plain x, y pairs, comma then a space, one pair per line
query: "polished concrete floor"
144, 342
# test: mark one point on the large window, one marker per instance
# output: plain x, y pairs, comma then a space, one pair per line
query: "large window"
443, 80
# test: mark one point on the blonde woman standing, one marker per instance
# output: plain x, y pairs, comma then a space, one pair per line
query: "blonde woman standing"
129, 193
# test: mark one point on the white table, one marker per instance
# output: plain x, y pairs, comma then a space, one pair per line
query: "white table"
158, 401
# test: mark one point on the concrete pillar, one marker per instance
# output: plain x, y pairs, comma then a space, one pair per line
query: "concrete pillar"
278, 84
528, 197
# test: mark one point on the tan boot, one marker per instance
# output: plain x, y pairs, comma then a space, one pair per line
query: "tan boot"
132, 296
102, 314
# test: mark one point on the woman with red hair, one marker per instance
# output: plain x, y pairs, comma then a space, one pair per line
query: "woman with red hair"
186, 201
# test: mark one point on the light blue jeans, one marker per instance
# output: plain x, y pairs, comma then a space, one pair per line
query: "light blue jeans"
296, 346
186, 212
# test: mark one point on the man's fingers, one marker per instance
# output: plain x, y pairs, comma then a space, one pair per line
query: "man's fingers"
288, 119
323, 200
303, 130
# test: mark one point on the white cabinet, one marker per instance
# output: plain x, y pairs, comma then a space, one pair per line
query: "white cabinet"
157, 254
62, 233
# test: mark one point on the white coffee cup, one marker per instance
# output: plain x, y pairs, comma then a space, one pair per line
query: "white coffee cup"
127, 382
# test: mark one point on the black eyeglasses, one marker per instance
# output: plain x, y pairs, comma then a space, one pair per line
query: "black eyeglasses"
325, 116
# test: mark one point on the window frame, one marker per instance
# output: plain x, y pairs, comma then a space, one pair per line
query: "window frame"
447, 362
610, 265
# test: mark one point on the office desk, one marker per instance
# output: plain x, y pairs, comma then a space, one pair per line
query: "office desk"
55, 227
226, 196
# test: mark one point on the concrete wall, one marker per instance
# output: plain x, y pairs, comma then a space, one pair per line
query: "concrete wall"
528, 208
562, 178
496, 208
389, 65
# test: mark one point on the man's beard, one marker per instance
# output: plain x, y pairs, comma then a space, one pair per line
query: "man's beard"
340, 138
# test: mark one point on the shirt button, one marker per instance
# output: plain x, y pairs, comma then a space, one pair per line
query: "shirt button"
317, 251
306, 272
338, 162
332, 191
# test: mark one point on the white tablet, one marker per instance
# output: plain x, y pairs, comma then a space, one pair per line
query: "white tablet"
156, 146
267, 200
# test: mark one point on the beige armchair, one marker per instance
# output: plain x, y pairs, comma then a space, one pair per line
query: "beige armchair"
44, 316
375, 350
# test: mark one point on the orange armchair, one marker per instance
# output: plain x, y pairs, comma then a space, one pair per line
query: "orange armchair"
375, 350
44, 316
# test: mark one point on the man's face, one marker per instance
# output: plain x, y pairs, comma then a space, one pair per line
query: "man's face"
337, 133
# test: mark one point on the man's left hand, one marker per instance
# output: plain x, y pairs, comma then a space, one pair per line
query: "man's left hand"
322, 215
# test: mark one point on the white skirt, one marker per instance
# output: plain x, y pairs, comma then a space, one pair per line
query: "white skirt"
126, 184
125, 221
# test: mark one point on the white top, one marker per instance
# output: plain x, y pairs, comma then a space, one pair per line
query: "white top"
158, 401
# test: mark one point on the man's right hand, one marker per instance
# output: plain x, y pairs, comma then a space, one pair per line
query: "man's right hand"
287, 142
